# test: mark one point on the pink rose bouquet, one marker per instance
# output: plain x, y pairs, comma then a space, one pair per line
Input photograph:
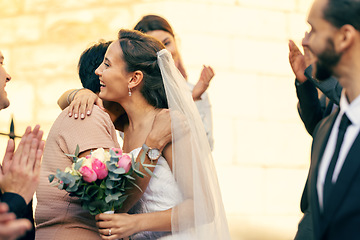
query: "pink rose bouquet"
100, 179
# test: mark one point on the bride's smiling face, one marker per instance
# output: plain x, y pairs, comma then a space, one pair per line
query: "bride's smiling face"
113, 75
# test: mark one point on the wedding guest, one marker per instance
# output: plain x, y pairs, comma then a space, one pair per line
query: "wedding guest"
311, 110
59, 216
19, 175
332, 188
160, 28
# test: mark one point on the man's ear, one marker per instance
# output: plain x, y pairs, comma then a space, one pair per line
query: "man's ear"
346, 37
136, 79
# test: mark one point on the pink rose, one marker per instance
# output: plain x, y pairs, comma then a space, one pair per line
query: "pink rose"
88, 174
118, 151
100, 168
125, 162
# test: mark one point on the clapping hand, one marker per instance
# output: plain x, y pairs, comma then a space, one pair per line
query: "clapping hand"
21, 169
206, 75
10, 227
298, 61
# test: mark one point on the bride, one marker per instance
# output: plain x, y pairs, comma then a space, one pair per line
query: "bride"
182, 200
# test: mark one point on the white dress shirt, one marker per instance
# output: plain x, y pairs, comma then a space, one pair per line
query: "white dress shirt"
352, 111
204, 107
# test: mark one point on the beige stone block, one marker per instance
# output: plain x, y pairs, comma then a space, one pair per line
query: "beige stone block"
241, 189
21, 95
304, 6
48, 114
297, 26
47, 98
20, 29
273, 144
230, 20
9, 8
49, 93
69, 5
199, 49
262, 57
279, 5
41, 63
235, 94
86, 24
225, 140
172, 11
264, 227
283, 189
217, 2
277, 98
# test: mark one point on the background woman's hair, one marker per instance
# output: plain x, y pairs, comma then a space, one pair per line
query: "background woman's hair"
140, 53
153, 22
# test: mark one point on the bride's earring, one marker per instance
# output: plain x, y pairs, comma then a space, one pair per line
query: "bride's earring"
129, 92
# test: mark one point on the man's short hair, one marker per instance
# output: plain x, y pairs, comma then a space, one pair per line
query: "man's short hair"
89, 61
342, 12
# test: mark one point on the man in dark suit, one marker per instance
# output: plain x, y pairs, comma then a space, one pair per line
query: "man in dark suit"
332, 191
311, 109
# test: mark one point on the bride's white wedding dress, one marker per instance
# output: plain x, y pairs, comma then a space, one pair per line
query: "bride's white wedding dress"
193, 179
162, 193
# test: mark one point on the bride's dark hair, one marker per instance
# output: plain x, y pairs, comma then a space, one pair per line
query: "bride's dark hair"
140, 53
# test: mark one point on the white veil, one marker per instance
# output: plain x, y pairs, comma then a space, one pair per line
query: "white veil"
201, 215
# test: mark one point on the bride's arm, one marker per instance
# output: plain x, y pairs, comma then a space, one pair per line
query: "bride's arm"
123, 225
160, 138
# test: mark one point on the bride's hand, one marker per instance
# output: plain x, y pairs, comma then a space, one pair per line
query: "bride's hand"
83, 103
160, 134
119, 225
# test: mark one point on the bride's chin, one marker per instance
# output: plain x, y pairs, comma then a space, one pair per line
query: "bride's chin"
102, 95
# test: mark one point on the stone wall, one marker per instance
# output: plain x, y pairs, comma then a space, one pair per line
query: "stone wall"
261, 147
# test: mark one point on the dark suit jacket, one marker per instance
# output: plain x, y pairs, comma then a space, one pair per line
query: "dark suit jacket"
341, 218
18, 206
310, 108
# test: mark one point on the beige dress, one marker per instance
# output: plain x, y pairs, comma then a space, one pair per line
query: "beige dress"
57, 215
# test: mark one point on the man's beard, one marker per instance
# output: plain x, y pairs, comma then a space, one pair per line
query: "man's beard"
327, 60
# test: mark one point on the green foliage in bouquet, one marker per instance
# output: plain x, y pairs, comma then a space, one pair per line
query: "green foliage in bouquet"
101, 179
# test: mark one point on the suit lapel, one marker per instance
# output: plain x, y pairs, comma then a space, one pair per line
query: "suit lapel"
346, 175
319, 144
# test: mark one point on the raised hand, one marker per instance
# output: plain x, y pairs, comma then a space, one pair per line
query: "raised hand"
21, 169
83, 103
309, 57
206, 75
10, 227
297, 62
